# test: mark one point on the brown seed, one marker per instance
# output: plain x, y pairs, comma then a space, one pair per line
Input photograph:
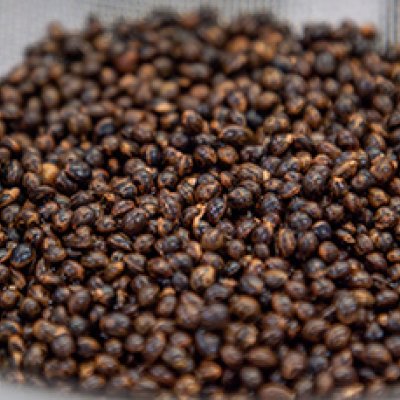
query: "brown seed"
275, 278
285, 242
63, 346
9, 299
188, 312
231, 356
346, 309
22, 255
209, 371
8, 196
202, 277
240, 198
262, 357
87, 347
115, 324
79, 302
207, 344
251, 377
187, 385
44, 330
314, 329
337, 337
214, 316
134, 221
338, 270
276, 392
244, 307
212, 239
293, 365
154, 346
376, 355
106, 364
49, 173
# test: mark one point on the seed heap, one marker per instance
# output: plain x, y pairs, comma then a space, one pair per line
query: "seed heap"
202, 208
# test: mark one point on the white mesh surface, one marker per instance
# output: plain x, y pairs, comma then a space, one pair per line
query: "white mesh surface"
24, 21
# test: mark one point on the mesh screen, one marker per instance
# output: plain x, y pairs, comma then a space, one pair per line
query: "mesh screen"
24, 21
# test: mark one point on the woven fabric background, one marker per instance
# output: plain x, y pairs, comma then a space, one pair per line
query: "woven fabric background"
24, 21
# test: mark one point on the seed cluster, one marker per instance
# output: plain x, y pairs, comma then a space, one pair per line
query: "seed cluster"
201, 208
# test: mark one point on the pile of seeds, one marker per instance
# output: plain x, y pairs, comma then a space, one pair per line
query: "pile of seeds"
202, 209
